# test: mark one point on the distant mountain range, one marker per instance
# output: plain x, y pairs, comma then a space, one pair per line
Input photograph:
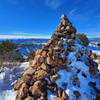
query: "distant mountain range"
34, 44
27, 45
27, 41
94, 39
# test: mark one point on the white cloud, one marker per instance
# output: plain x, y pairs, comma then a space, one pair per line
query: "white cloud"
93, 34
22, 37
21, 33
54, 4
72, 12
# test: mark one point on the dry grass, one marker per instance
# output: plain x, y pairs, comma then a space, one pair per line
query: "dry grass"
95, 57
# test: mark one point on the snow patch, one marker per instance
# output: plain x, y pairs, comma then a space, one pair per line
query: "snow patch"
51, 96
96, 52
8, 95
7, 78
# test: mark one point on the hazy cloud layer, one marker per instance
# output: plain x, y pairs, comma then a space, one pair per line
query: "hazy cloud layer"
54, 4
22, 37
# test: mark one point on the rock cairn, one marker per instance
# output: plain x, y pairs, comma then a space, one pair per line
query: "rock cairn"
62, 70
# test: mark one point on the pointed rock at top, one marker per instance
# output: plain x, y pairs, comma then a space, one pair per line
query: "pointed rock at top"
65, 29
63, 16
64, 20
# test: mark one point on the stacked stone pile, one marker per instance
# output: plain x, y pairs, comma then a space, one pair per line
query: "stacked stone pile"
62, 70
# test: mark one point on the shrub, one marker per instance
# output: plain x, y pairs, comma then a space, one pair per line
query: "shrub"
31, 55
7, 46
83, 38
9, 52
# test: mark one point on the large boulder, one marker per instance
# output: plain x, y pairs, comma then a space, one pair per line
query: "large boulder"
38, 91
40, 74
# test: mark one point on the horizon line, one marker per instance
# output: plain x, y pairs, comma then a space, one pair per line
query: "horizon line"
23, 37
30, 37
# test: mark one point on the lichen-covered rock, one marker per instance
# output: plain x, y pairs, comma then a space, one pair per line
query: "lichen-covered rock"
60, 91
38, 91
44, 67
29, 71
70, 41
29, 98
54, 70
76, 81
69, 69
23, 92
54, 78
93, 70
18, 84
62, 95
49, 61
27, 78
93, 84
77, 94
38, 52
44, 53
40, 74
58, 98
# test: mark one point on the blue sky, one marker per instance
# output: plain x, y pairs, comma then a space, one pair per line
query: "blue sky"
40, 18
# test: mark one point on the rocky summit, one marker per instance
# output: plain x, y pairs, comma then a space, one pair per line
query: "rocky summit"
62, 70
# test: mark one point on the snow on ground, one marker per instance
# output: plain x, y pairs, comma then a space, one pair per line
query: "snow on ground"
10, 75
51, 96
8, 95
66, 77
98, 61
7, 78
96, 52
